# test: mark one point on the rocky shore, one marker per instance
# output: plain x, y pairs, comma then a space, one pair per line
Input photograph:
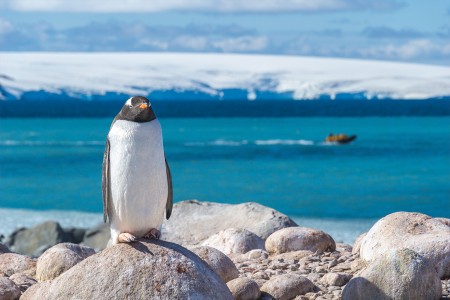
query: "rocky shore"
219, 251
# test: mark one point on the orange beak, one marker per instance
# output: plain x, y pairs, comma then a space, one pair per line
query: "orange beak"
143, 106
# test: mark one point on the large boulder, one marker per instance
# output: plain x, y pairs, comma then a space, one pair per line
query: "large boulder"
427, 236
34, 241
140, 270
234, 241
299, 238
11, 263
218, 261
401, 274
193, 221
59, 259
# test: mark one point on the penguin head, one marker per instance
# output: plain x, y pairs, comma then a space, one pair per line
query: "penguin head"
137, 109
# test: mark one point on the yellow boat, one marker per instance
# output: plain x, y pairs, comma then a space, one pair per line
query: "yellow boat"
340, 138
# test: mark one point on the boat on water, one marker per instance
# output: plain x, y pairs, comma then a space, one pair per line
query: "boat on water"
340, 138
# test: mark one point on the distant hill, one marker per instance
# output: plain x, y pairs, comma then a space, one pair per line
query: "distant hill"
179, 76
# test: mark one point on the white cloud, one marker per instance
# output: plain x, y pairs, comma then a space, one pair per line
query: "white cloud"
5, 27
195, 43
222, 6
242, 44
420, 48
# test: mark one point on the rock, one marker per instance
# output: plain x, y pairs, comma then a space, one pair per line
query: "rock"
22, 281
287, 286
193, 221
427, 236
234, 241
357, 265
140, 270
4, 249
244, 289
74, 235
218, 261
256, 254
97, 237
299, 238
401, 274
38, 252
344, 247
294, 255
59, 259
27, 241
444, 221
8, 289
357, 243
335, 279
11, 263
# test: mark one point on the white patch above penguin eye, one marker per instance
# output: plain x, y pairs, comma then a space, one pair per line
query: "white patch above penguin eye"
129, 103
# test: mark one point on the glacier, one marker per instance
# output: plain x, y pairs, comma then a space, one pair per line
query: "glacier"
169, 76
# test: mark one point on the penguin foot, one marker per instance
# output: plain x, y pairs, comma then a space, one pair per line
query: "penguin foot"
126, 237
153, 234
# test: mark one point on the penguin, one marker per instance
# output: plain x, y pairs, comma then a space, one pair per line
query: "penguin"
136, 178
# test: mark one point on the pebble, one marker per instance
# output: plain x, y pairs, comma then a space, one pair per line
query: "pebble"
314, 266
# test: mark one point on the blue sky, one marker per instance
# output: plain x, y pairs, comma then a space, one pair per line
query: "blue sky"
414, 31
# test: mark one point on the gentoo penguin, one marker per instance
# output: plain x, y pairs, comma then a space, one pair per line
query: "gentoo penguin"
136, 179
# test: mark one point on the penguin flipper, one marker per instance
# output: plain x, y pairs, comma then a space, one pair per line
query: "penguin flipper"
106, 184
169, 203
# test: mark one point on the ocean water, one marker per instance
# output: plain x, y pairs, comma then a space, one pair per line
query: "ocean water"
51, 168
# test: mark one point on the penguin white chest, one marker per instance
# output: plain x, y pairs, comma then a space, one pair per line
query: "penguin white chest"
138, 176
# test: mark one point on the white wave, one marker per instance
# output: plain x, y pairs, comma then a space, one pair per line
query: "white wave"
228, 143
284, 142
51, 143
342, 230
233, 143
11, 219
142, 73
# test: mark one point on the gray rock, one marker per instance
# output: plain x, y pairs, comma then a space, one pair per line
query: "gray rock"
294, 255
38, 252
193, 221
256, 254
74, 235
234, 241
23, 281
28, 240
335, 279
401, 274
218, 261
4, 249
287, 286
244, 289
11, 263
8, 289
427, 236
140, 270
97, 237
59, 259
299, 238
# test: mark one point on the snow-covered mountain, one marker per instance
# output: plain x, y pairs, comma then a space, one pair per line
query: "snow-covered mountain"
213, 76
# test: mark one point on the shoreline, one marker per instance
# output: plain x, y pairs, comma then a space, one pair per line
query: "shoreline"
342, 230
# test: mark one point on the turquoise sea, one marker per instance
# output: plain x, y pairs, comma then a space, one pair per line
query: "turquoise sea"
395, 164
